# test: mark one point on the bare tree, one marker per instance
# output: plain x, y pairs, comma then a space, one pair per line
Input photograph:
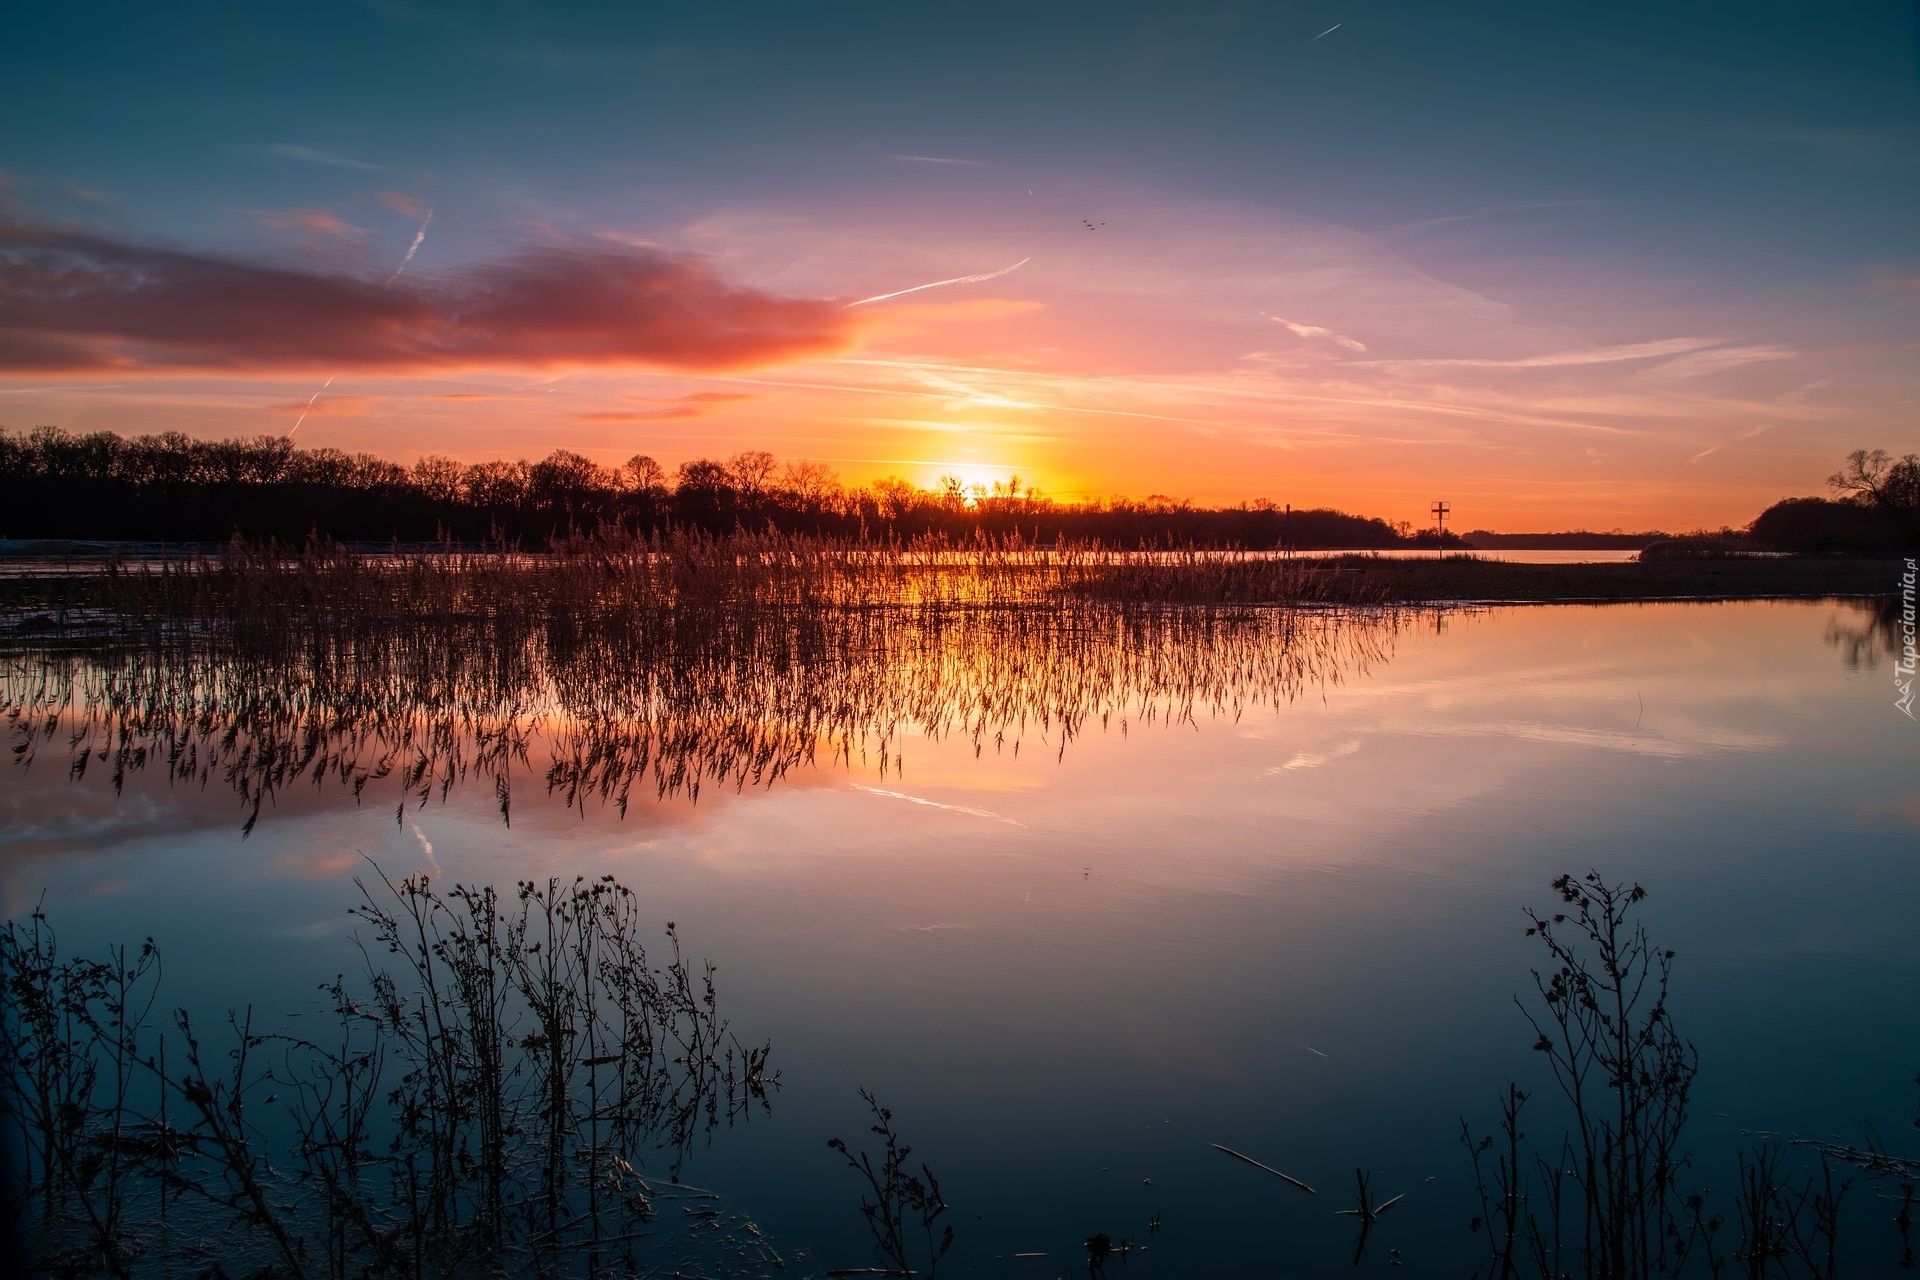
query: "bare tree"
496, 484
644, 475
438, 476
897, 497
1875, 478
751, 471
811, 486
704, 475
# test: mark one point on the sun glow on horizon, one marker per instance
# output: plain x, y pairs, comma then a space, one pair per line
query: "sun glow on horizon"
976, 478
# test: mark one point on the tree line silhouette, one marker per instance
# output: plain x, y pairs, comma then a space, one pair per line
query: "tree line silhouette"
170, 487
173, 488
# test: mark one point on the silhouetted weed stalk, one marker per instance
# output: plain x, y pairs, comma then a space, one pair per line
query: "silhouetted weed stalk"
901, 1208
1366, 1213
1605, 1200
484, 1101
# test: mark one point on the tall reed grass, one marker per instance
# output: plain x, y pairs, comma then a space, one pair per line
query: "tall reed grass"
613, 572
300, 679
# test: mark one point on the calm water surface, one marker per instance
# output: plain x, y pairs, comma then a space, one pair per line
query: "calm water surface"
1286, 919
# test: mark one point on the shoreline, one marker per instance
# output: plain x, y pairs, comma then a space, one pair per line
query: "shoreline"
1492, 582
41, 585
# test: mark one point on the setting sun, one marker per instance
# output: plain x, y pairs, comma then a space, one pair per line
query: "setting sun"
973, 477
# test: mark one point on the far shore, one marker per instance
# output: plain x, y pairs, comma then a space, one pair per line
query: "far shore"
63, 577
1464, 579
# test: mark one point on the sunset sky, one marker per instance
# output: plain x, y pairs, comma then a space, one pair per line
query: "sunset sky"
1618, 265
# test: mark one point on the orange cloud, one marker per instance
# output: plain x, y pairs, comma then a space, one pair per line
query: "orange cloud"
697, 405
405, 205
697, 398
318, 864
77, 302
331, 407
639, 415
312, 221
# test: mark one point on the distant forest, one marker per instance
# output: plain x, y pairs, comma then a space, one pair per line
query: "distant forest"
1574, 540
171, 488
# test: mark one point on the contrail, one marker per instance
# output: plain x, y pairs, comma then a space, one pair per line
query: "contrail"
985, 275
309, 409
935, 804
1748, 434
426, 845
412, 249
933, 159
419, 237
1329, 31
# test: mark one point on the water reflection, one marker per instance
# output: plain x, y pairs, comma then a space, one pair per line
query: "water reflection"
656, 702
1868, 631
1297, 935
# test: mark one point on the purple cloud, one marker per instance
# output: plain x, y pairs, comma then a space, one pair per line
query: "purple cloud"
75, 302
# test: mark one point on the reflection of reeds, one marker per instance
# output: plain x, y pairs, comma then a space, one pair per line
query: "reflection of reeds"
1604, 1200
1606, 1032
424, 672
481, 1107
901, 1208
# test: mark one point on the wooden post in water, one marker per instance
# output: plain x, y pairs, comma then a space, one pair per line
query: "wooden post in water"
1440, 510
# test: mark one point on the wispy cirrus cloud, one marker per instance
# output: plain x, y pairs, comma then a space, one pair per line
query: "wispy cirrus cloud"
314, 155
1562, 359
1316, 331
1906, 287
934, 159
1496, 210
76, 301
1695, 364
